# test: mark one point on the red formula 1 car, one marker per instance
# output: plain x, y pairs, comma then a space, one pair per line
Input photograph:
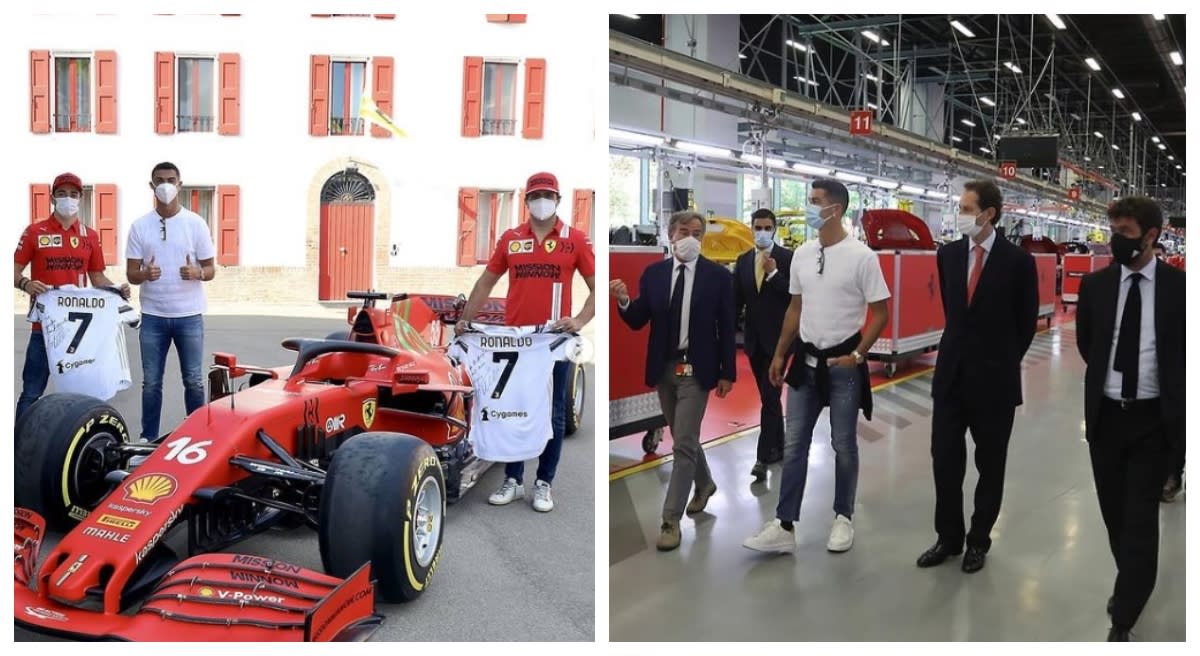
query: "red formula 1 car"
364, 439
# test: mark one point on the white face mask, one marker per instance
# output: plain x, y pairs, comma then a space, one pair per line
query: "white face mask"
967, 225
166, 192
542, 208
66, 207
686, 249
764, 238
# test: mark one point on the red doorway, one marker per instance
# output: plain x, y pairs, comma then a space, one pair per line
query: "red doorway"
347, 250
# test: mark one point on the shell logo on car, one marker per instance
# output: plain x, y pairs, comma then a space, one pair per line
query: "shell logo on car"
149, 489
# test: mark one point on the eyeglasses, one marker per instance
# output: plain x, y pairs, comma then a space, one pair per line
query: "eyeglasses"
163, 229
821, 261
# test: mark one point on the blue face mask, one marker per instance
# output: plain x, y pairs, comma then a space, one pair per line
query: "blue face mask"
812, 216
764, 238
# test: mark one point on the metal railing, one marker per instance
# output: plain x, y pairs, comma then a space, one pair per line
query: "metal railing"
187, 123
346, 126
499, 126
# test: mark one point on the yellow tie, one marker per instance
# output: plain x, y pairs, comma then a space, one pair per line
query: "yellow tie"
758, 271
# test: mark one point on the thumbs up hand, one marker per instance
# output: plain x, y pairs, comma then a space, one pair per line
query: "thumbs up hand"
190, 271
152, 270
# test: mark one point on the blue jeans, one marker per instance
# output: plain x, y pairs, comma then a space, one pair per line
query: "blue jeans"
803, 408
156, 336
548, 462
35, 375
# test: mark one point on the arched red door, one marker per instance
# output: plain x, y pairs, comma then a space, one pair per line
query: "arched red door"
347, 250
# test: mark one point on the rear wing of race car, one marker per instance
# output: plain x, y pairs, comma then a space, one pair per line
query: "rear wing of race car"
449, 308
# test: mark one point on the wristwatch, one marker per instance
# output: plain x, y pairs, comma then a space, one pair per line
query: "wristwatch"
857, 356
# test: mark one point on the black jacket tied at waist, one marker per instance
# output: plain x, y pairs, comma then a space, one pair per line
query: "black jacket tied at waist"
798, 374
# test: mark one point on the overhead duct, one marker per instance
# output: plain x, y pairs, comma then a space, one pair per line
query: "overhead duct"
794, 112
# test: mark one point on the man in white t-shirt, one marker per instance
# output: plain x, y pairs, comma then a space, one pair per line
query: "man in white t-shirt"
835, 278
169, 254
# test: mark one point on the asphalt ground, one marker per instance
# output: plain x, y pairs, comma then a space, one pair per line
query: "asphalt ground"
506, 573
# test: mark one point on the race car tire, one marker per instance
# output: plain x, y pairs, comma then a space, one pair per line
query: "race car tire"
384, 501
343, 335
60, 456
576, 399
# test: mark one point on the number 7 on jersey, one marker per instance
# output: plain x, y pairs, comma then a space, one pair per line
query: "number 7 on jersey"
510, 360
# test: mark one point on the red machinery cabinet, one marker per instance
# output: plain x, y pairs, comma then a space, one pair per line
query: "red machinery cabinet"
632, 407
1047, 272
1075, 267
908, 258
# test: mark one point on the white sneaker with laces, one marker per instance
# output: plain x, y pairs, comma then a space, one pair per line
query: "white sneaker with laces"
841, 537
772, 539
542, 502
510, 491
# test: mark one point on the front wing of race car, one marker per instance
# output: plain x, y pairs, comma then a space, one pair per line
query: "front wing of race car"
218, 597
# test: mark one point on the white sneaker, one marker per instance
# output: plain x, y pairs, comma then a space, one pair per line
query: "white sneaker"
541, 497
841, 537
510, 491
772, 539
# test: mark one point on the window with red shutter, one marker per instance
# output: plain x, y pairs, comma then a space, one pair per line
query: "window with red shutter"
582, 210
164, 93
535, 99
468, 222
39, 202
106, 92
72, 93
105, 221
318, 111
522, 209
230, 108
229, 217
472, 96
39, 91
383, 76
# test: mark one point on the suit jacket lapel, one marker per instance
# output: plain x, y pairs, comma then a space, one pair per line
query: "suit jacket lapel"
958, 260
1110, 293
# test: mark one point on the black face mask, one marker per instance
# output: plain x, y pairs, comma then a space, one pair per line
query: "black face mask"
1126, 249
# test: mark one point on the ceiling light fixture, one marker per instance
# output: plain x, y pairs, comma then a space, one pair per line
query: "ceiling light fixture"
809, 169
1154, 139
1137, 117
955, 139
1119, 94
966, 122
871, 77
886, 184
1177, 58
1091, 62
1020, 120
1056, 21
701, 149
1098, 135
984, 150
798, 46
871, 35
625, 136
963, 29
911, 189
987, 101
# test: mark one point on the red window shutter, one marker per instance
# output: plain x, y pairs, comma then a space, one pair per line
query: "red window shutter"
39, 91
39, 202
106, 221
230, 112
472, 112
382, 71
581, 210
516, 18
522, 208
535, 98
228, 217
318, 111
385, 16
106, 92
497, 18
468, 223
164, 97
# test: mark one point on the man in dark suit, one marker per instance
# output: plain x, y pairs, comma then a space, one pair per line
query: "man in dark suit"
1130, 332
688, 302
990, 299
760, 284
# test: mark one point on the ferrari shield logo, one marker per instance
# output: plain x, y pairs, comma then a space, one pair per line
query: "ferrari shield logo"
550, 246
368, 410
74, 242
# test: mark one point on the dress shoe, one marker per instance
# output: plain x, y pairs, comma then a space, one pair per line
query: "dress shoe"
668, 539
936, 555
1111, 601
759, 472
700, 499
1118, 635
973, 560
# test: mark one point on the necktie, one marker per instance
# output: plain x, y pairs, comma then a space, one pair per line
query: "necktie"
758, 270
676, 308
975, 271
1130, 339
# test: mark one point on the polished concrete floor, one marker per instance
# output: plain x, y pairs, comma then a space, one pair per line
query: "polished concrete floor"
1047, 577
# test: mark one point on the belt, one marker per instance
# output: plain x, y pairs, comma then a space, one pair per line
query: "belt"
1133, 405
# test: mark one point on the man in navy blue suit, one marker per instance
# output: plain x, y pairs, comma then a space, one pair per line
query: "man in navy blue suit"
688, 302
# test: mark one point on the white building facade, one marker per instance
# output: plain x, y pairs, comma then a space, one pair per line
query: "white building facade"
306, 200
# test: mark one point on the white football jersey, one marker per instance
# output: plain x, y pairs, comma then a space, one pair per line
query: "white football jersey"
512, 372
85, 343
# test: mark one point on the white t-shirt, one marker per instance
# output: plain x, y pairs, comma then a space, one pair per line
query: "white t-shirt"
512, 372
85, 345
187, 236
834, 303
